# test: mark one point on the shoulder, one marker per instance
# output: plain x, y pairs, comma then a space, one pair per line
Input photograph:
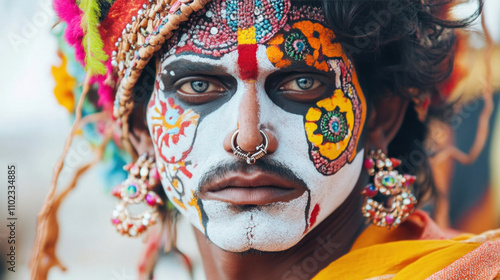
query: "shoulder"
418, 249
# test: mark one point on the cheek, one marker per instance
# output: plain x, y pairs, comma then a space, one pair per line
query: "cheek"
172, 128
333, 126
329, 192
173, 131
294, 151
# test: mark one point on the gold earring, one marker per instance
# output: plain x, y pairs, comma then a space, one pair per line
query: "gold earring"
137, 189
388, 200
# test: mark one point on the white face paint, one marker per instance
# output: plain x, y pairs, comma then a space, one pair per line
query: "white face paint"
189, 145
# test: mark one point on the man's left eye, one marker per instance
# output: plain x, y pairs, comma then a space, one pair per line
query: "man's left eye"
303, 89
301, 84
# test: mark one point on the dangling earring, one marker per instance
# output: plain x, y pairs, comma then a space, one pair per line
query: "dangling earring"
136, 189
388, 201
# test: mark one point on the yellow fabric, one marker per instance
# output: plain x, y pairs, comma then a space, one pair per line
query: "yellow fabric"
428, 265
397, 254
374, 235
416, 259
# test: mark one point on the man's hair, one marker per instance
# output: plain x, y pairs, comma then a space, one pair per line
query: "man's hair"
400, 48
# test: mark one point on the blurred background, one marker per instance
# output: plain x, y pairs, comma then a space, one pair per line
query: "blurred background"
33, 129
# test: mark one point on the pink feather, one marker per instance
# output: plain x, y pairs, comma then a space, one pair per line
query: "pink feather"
69, 12
105, 91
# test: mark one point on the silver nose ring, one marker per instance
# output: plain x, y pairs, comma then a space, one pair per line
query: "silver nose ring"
253, 156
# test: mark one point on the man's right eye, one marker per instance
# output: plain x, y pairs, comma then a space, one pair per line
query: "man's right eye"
199, 90
200, 86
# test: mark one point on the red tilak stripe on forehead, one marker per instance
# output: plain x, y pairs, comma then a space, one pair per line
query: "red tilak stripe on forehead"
247, 61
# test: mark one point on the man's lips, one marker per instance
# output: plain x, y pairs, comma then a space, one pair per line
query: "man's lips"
257, 188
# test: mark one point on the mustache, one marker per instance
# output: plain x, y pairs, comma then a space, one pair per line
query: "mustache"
263, 165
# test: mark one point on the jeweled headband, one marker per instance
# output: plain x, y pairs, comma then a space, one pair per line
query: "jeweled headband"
116, 39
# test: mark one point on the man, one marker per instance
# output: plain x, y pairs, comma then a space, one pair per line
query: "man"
282, 83
260, 115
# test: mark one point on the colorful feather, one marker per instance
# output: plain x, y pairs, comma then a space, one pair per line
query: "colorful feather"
69, 12
92, 42
105, 91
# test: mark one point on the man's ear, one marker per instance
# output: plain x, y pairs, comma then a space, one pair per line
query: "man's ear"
139, 133
386, 117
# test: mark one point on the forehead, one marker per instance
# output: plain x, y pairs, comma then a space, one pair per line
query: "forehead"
223, 25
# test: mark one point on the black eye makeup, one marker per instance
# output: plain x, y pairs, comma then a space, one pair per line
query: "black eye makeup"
197, 83
206, 87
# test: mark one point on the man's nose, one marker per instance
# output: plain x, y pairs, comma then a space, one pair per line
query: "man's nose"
249, 120
249, 123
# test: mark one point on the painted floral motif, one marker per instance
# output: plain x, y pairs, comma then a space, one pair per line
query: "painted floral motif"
329, 125
296, 46
333, 125
306, 41
173, 130
170, 124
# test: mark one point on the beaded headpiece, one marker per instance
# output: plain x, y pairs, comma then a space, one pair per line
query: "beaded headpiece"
114, 40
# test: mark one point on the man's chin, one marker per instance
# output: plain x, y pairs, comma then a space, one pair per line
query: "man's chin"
270, 228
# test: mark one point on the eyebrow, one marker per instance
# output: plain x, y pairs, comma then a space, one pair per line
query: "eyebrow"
184, 67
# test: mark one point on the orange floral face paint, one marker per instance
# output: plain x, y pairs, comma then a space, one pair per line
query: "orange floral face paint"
334, 123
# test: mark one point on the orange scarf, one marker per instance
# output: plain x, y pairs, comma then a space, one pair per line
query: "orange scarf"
418, 249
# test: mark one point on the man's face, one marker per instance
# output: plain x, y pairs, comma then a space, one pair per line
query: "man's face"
283, 60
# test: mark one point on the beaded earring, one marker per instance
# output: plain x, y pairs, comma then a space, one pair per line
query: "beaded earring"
388, 200
136, 189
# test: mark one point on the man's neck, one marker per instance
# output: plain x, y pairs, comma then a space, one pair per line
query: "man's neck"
330, 240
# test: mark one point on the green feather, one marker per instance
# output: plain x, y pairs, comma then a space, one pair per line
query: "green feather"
92, 42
